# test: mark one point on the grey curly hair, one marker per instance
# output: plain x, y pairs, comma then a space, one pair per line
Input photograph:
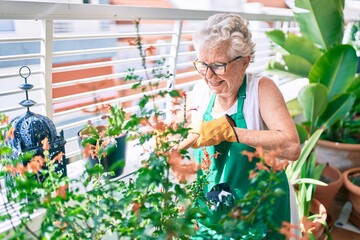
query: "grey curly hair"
223, 27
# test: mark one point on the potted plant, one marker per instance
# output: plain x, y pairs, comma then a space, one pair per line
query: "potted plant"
304, 174
355, 39
330, 66
151, 204
326, 194
105, 144
352, 184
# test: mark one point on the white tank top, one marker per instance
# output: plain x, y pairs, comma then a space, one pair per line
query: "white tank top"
201, 94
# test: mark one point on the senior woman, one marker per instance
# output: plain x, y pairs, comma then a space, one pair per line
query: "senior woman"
237, 111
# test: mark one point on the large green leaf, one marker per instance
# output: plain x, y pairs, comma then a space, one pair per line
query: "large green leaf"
355, 88
313, 100
277, 36
296, 45
275, 65
322, 21
336, 109
302, 132
297, 65
335, 69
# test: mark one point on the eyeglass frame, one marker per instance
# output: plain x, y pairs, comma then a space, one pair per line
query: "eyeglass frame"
208, 66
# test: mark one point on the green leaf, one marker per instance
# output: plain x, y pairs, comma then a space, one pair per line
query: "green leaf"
296, 45
335, 69
297, 65
309, 181
274, 65
313, 100
174, 93
277, 36
321, 21
336, 109
303, 47
355, 88
293, 169
302, 132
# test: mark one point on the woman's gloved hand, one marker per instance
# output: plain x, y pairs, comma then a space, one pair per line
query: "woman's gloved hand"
214, 132
210, 133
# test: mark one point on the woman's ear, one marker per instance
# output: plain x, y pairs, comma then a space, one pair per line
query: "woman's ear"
246, 61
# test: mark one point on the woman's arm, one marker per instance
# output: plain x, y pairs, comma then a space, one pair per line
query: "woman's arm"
282, 133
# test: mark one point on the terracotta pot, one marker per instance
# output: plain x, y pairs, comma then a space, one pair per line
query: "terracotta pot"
326, 194
317, 207
340, 155
354, 195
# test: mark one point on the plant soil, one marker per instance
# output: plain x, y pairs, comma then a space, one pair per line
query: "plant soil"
355, 179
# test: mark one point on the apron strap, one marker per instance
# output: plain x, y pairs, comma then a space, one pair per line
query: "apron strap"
239, 114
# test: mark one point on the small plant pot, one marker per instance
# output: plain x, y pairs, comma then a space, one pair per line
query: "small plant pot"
343, 156
354, 194
114, 161
326, 194
317, 208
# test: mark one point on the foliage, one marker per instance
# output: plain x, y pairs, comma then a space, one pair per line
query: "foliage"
355, 36
156, 202
355, 179
332, 98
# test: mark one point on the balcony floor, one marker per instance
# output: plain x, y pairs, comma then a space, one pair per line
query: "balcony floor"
337, 232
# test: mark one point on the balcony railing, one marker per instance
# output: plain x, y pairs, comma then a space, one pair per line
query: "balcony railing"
80, 54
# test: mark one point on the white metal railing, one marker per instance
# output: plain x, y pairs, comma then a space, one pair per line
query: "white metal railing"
84, 68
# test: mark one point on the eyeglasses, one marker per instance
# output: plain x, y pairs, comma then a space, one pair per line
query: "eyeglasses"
217, 68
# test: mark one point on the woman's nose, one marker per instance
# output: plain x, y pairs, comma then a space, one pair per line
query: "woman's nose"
209, 73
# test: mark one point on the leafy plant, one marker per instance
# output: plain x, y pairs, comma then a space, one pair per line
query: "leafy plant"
355, 36
319, 55
355, 179
156, 202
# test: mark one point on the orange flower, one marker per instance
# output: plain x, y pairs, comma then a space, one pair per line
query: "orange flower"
261, 166
61, 191
135, 206
20, 168
252, 174
287, 228
250, 155
144, 122
216, 154
308, 225
62, 227
59, 157
90, 150
10, 169
35, 165
10, 134
150, 51
183, 170
205, 164
45, 144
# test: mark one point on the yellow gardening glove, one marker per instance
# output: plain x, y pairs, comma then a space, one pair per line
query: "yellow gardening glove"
215, 131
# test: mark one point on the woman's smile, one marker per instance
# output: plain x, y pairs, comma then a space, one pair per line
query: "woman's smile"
215, 83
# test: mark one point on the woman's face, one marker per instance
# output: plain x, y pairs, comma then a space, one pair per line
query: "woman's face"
229, 83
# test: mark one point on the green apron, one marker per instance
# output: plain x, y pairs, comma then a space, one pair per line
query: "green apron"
232, 167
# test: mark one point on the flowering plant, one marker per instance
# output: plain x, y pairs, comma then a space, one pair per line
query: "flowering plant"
157, 202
